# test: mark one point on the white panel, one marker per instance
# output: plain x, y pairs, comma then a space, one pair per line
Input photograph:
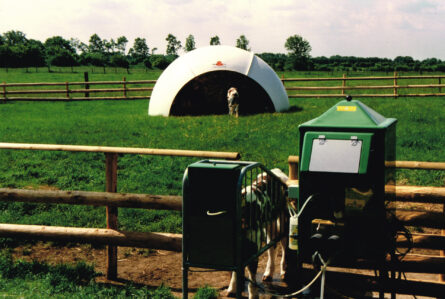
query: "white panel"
263, 74
332, 155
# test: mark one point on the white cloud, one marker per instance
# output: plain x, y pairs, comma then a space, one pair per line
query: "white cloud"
345, 27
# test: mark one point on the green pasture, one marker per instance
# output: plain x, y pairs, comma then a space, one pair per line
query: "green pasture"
267, 138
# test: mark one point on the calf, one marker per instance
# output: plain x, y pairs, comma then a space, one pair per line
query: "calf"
233, 101
256, 196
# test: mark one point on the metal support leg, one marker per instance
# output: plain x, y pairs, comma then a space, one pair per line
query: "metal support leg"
239, 283
185, 287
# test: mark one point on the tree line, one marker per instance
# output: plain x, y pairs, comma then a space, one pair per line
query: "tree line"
16, 50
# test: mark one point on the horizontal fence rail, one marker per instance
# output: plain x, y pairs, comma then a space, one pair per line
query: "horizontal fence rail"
110, 199
296, 88
164, 241
118, 200
121, 150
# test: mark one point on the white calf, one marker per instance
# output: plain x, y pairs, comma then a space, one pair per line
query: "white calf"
233, 101
255, 194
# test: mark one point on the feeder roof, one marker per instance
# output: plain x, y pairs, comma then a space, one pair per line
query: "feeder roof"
350, 114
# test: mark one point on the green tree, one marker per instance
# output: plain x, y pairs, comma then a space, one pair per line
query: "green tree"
190, 43
60, 52
173, 45
6, 57
96, 45
119, 60
14, 38
121, 44
159, 61
62, 57
109, 45
403, 60
298, 46
34, 55
55, 43
78, 45
299, 53
214, 40
140, 51
147, 63
243, 43
94, 59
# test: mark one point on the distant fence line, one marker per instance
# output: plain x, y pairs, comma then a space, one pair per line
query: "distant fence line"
68, 91
435, 89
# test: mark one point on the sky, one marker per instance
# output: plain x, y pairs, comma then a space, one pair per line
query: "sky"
364, 28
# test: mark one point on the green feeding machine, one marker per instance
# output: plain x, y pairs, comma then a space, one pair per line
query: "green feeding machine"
342, 178
228, 212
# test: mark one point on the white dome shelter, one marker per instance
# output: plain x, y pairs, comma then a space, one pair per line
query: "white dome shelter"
197, 83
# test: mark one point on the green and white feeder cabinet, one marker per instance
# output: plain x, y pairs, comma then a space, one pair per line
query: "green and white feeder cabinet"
342, 182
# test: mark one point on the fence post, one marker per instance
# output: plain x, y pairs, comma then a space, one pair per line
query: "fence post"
282, 79
67, 88
4, 93
395, 84
442, 252
440, 82
293, 169
87, 86
112, 212
343, 84
125, 86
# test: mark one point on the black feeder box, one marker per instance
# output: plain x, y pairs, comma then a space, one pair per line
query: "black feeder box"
221, 227
342, 183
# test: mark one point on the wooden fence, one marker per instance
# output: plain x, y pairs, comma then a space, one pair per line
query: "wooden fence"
113, 237
76, 91
110, 236
419, 208
121, 90
349, 85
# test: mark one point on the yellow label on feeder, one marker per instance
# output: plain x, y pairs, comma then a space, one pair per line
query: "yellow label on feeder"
347, 108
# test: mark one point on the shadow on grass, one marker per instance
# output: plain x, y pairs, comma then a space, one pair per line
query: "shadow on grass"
293, 109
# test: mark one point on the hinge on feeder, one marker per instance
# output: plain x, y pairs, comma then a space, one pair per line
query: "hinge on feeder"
322, 139
354, 140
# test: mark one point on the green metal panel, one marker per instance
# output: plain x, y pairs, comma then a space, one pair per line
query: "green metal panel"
310, 136
350, 114
213, 187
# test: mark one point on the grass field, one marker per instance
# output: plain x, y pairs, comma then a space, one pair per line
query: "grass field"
267, 138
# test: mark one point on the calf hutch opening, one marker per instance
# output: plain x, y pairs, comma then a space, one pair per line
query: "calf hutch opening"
207, 94
197, 84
